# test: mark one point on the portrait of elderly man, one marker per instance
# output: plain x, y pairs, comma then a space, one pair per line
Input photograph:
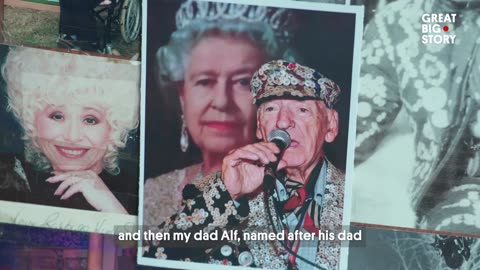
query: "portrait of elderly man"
198, 105
308, 193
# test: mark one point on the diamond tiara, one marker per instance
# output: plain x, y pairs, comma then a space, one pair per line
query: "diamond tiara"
280, 20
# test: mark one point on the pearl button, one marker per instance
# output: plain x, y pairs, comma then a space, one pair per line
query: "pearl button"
245, 258
226, 250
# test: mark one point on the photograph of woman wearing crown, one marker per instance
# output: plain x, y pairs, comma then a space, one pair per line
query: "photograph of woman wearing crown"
66, 121
214, 121
201, 58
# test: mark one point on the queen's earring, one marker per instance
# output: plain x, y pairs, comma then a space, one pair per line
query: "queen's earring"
184, 136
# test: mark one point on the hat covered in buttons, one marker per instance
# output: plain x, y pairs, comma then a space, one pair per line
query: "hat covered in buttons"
282, 79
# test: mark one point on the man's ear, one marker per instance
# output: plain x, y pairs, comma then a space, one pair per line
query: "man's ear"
258, 132
332, 129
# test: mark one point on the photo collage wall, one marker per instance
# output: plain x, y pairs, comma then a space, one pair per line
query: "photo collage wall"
234, 134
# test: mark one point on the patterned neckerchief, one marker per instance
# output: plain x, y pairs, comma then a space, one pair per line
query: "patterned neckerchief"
302, 202
302, 210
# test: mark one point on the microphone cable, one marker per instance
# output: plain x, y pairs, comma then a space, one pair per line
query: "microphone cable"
266, 195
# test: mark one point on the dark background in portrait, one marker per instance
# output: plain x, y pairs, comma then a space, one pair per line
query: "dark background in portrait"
324, 41
11, 144
10, 130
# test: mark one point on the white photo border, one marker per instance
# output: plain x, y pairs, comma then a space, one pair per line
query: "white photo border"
52, 217
358, 11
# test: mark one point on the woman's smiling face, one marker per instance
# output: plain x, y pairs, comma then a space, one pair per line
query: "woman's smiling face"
73, 136
215, 97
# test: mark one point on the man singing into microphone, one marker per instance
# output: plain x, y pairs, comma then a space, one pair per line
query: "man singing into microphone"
307, 195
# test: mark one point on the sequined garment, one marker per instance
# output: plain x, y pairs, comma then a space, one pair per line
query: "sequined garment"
209, 208
406, 250
440, 91
162, 196
279, 78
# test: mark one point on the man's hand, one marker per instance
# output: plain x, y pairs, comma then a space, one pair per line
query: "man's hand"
243, 169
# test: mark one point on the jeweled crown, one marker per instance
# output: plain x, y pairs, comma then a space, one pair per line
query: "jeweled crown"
280, 20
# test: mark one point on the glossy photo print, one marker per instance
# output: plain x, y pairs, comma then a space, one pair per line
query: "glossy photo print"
398, 249
24, 247
69, 145
89, 27
221, 78
417, 144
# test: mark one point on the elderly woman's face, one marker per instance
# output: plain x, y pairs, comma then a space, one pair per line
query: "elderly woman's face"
216, 98
308, 122
73, 137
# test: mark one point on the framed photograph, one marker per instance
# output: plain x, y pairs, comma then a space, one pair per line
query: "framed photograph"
202, 90
69, 140
25, 247
388, 247
417, 123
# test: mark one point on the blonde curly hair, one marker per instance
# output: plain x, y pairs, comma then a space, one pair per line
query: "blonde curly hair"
35, 78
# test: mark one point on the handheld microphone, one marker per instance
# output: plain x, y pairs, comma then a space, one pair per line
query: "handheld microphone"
282, 139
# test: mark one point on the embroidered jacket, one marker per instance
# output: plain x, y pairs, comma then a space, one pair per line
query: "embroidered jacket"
163, 194
438, 86
208, 208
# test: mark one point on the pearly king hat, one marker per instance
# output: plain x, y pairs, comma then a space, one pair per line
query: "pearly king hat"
282, 79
